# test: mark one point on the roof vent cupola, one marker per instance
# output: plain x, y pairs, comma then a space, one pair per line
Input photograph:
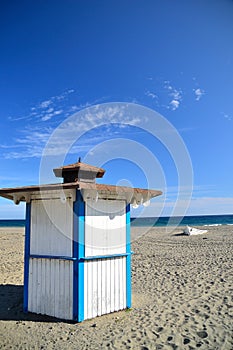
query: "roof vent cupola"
79, 172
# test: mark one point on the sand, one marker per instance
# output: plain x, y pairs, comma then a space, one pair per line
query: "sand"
182, 290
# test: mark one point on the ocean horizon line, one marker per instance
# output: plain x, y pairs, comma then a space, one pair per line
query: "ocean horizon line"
190, 220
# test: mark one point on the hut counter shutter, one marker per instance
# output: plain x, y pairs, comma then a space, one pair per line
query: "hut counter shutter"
51, 227
105, 229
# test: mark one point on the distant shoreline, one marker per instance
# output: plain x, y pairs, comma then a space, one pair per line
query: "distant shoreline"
164, 221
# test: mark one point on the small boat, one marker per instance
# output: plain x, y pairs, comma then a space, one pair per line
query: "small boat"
190, 231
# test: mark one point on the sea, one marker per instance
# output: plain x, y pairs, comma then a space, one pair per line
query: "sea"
197, 220
202, 220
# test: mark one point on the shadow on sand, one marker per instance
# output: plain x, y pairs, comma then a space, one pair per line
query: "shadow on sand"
180, 234
11, 306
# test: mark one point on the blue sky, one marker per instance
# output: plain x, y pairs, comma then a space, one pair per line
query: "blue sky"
173, 57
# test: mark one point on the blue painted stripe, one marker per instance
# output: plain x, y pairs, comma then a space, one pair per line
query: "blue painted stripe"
128, 259
81, 255
78, 254
26, 255
35, 256
75, 255
97, 257
86, 258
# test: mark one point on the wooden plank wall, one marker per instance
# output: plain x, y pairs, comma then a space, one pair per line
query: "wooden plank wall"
104, 286
51, 287
104, 279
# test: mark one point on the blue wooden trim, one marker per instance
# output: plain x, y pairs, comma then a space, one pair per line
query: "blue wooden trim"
26, 255
81, 254
75, 256
35, 256
97, 257
78, 254
86, 258
128, 258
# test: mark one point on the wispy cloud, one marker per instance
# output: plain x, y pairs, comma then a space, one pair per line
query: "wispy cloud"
198, 93
196, 206
174, 95
227, 116
174, 104
47, 109
197, 190
168, 95
35, 127
151, 94
32, 140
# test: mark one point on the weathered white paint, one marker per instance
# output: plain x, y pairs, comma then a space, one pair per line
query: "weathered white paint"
54, 194
51, 227
105, 227
104, 286
51, 287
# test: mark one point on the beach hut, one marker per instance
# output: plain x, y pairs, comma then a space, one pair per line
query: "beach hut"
77, 243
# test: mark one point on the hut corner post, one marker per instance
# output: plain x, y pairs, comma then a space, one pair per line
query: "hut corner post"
78, 254
128, 259
27, 255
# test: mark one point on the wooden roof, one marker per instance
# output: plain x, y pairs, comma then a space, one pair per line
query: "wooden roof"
79, 166
22, 192
80, 176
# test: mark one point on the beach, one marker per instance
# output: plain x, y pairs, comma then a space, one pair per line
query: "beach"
182, 293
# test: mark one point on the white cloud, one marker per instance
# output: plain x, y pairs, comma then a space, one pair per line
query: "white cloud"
46, 117
198, 93
197, 206
227, 116
211, 205
174, 94
34, 138
174, 104
45, 104
48, 108
151, 94
166, 96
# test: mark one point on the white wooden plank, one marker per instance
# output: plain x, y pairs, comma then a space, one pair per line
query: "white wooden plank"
37, 285
56, 292
43, 284
66, 284
99, 287
108, 285
30, 280
48, 279
121, 283
94, 289
103, 287
51, 308
112, 286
